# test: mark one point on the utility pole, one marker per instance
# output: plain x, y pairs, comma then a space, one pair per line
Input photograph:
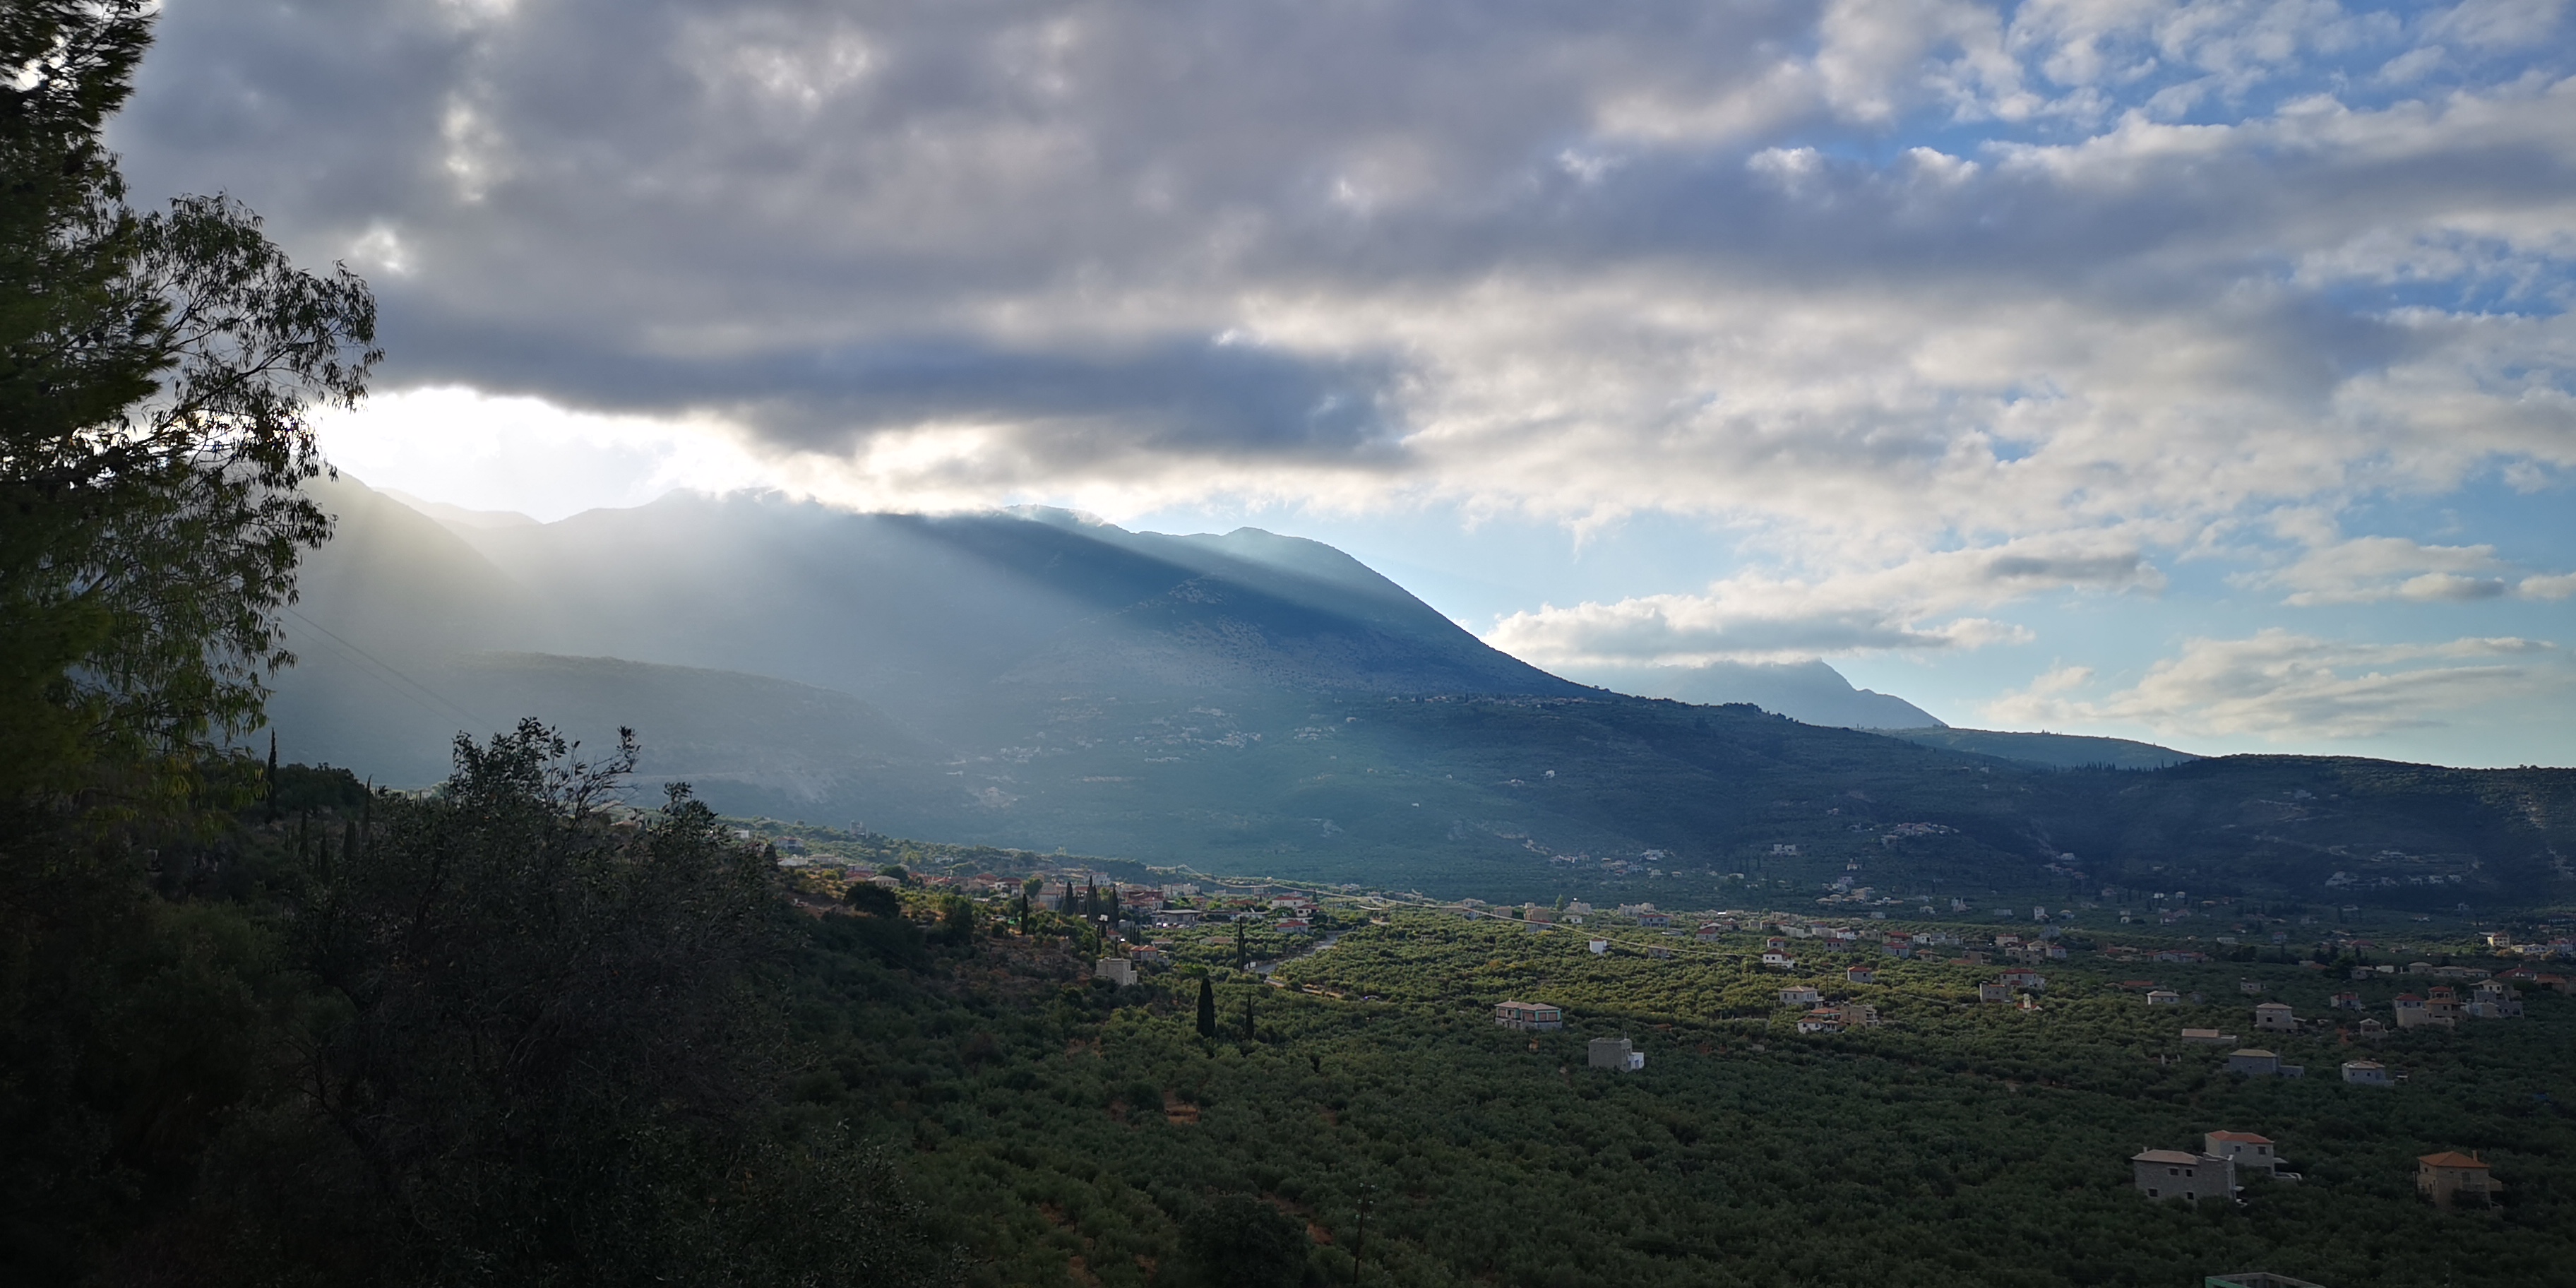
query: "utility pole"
1359, 1242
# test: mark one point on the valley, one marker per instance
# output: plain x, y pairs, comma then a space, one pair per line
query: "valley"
1072, 1128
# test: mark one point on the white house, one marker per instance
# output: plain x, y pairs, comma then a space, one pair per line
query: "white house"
2275, 1017
1800, 995
1117, 970
2249, 1152
1535, 1016
2366, 1073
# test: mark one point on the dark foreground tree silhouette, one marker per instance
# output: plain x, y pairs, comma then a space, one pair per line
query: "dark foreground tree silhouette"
155, 371
550, 1050
156, 368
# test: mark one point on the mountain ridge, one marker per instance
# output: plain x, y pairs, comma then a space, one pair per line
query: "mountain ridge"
1256, 703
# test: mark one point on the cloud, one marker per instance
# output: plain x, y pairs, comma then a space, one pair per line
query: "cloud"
1740, 624
2284, 686
831, 226
2334, 569
1929, 307
2363, 570
1916, 605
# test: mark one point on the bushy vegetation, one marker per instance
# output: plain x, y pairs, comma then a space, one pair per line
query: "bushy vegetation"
1066, 1129
260, 1025
486, 1036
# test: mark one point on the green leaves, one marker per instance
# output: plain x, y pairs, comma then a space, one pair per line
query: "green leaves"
155, 374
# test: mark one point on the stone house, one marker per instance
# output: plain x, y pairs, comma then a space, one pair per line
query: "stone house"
1800, 995
2178, 1174
2412, 1013
2275, 1017
1117, 970
2255, 1062
1994, 992
2451, 1178
2492, 1000
1618, 1054
2366, 1073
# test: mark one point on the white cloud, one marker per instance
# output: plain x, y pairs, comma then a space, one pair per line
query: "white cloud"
1918, 605
2361, 570
1928, 304
2333, 569
2284, 686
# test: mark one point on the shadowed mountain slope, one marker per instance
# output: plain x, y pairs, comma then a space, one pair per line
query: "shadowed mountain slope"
1252, 703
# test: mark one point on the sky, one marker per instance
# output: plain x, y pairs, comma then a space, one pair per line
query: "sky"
2191, 370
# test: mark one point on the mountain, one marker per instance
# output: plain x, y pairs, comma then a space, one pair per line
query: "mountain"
936, 632
2046, 750
1808, 692
1254, 703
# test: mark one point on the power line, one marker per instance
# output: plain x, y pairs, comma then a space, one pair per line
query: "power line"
471, 719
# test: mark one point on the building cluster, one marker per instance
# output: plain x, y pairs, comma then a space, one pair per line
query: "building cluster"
2442, 1006
2215, 1171
2225, 1159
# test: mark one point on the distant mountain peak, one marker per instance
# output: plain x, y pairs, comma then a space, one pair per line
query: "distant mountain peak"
459, 516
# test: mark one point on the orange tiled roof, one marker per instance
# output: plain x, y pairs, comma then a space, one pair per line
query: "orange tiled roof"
2450, 1158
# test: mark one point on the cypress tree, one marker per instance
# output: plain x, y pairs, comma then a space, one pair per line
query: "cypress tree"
1207, 1007
1242, 956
